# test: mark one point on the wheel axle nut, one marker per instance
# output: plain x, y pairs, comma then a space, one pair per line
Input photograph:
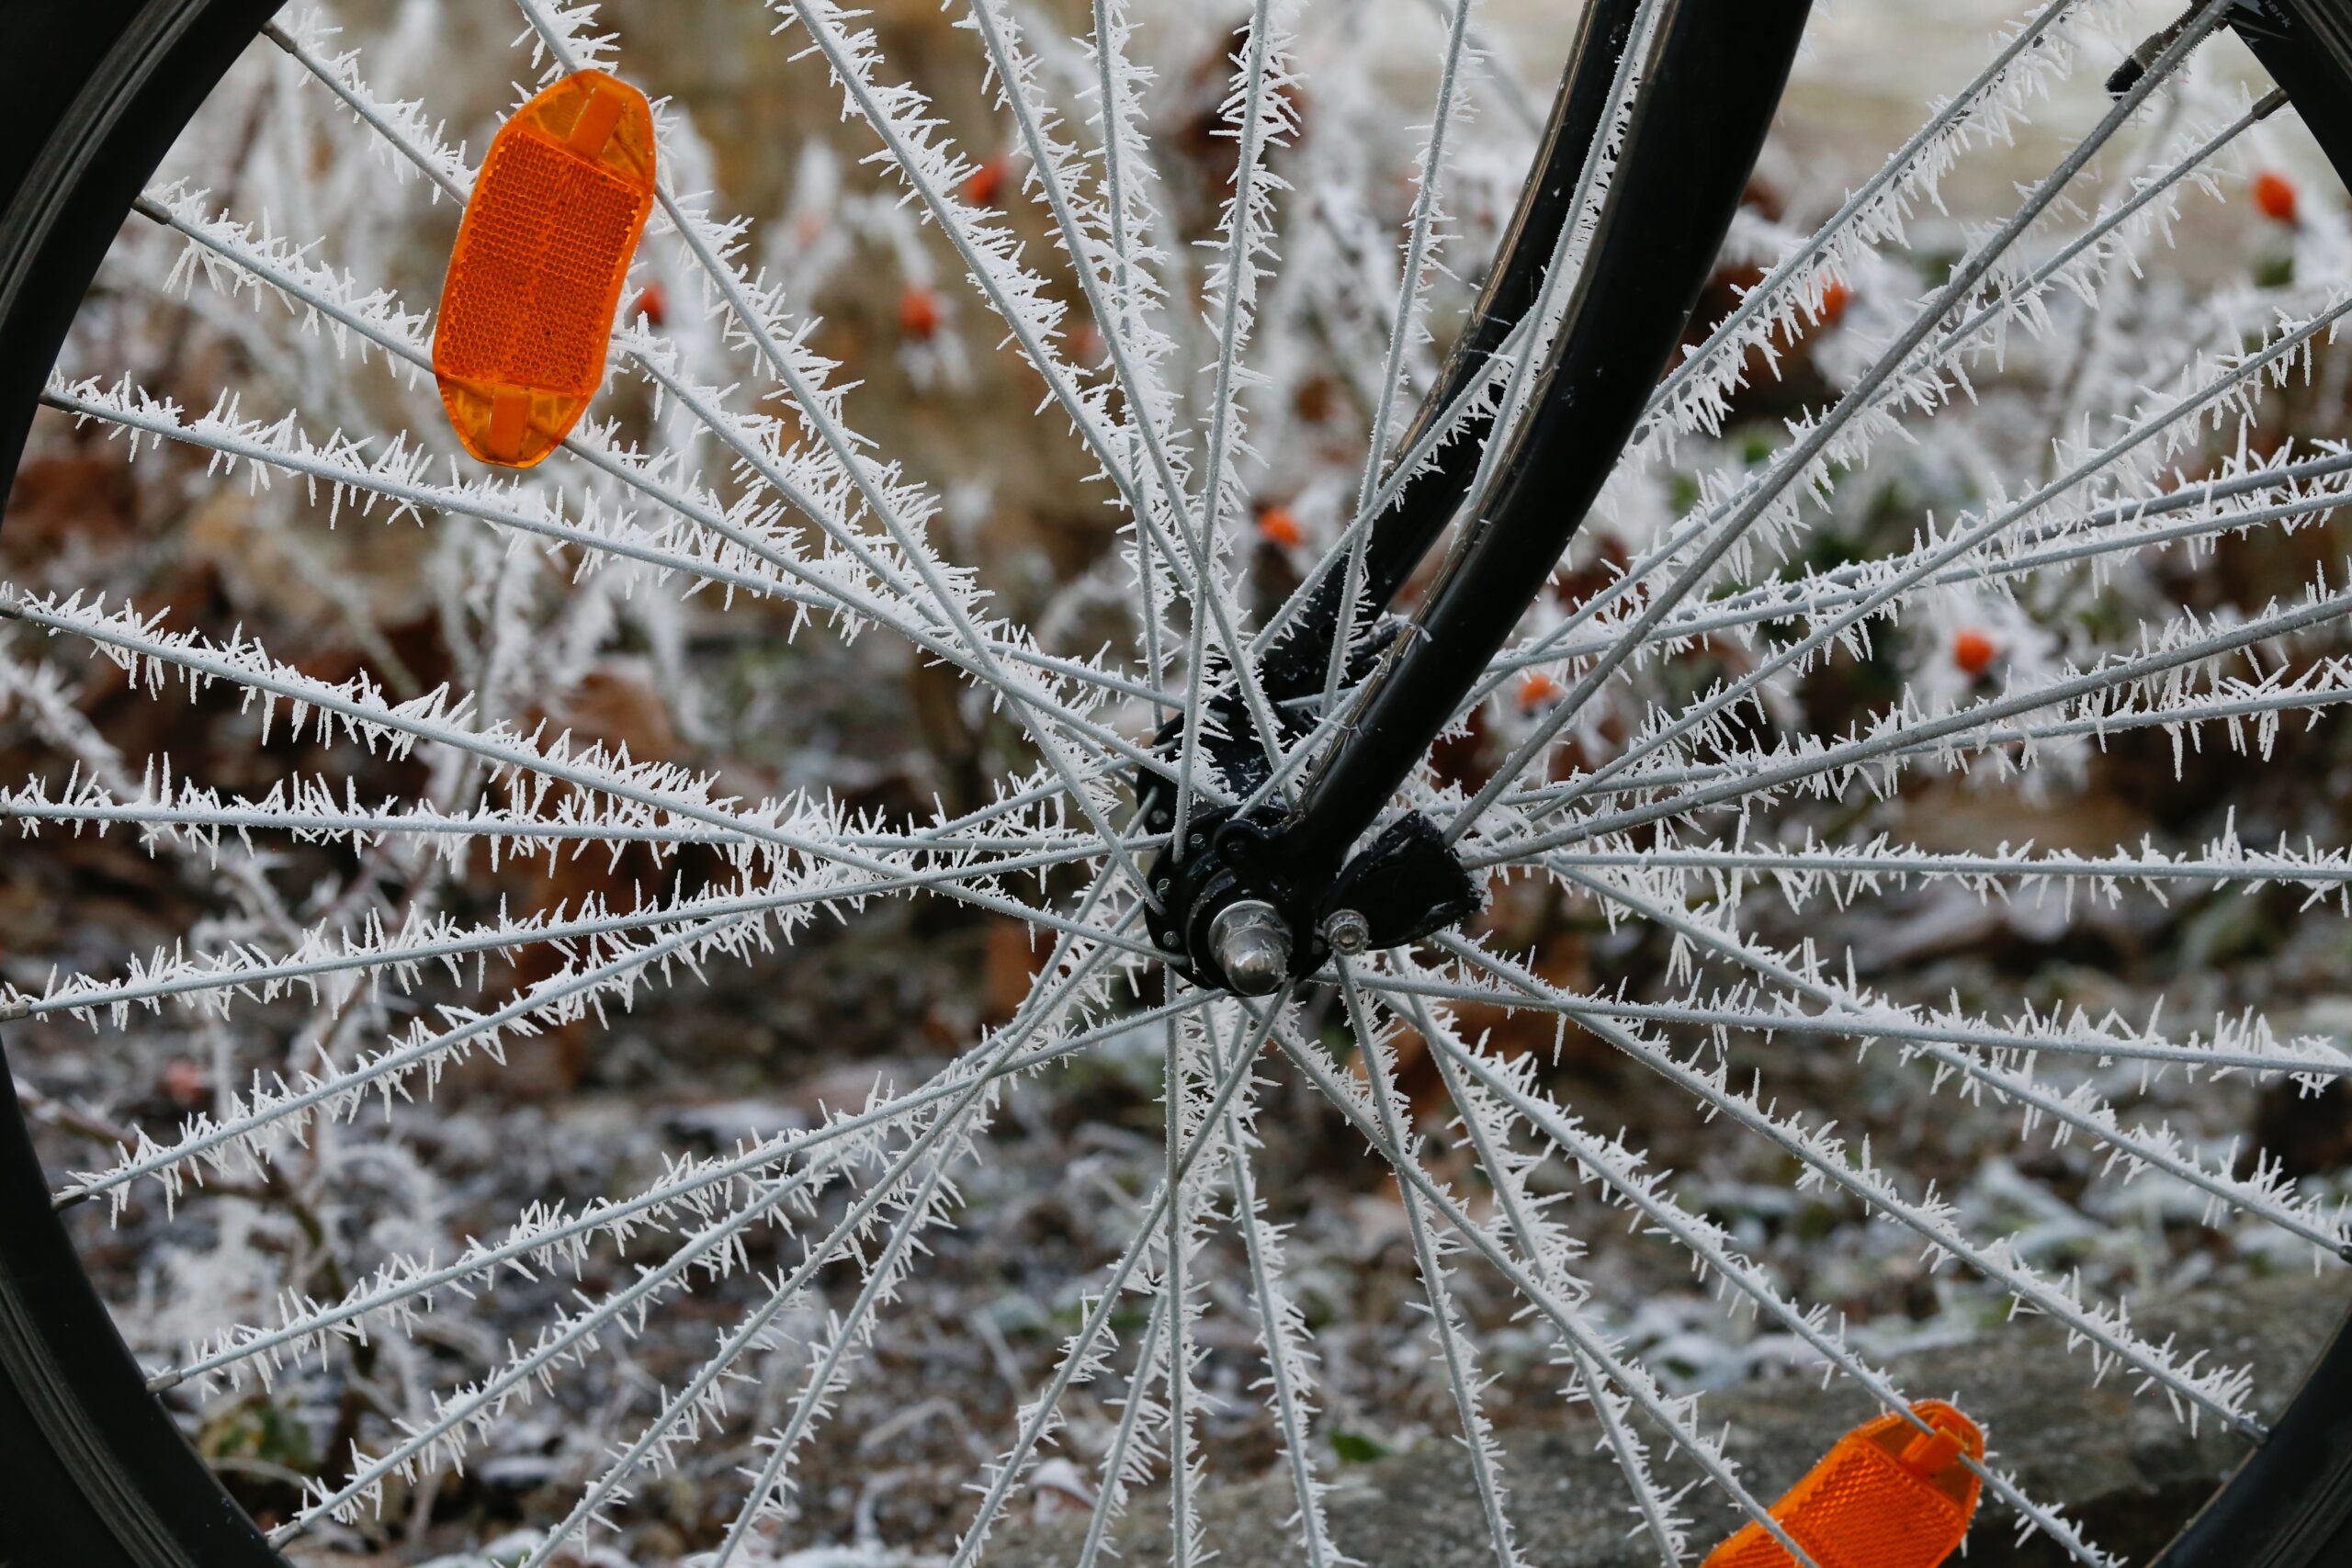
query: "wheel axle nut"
1251, 946
1348, 932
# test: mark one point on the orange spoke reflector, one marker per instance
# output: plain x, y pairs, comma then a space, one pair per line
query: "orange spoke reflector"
526, 312
1889, 1496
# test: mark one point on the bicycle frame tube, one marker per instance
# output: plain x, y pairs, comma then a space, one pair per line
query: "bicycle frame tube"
2306, 45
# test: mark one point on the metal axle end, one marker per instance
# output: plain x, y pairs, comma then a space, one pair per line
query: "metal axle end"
1252, 945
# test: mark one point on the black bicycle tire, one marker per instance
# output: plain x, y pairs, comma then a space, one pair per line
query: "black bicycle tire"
100, 1475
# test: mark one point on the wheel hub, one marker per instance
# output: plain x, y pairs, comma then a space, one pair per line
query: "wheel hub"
1238, 913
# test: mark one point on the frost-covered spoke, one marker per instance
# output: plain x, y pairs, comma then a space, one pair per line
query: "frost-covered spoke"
549, 1239
253, 1127
1103, 242
1505, 82
829, 1367
1406, 327
252, 1123
425, 940
311, 810
2178, 644
396, 476
2252, 715
2242, 483
1863, 406
406, 952
915, 1193
2221, 1391
1125, 1462
732, 562
2275, 360
444, 1439
1619, 1168
1847, 873
1455, 1353
2268, 1193
1256, 112
896, 114
1876, 213
1084, 1355
1553, 1294
355, 707
2237, 1044
2097, 540
1132, 297
1506, 1169
2018, 299
1180, 1237
1281, 1335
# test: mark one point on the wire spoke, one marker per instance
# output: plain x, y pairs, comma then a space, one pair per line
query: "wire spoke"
2180, 645
1619, 1168
2221, 1391
2271, 360
1455, 1353
1805, 461
1540, 1284
1083, 1355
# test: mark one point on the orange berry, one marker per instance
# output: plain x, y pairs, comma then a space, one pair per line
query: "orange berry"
185, 1084
653, 304
1834, 300
2274, 194
1973, 650
986, 179
1278, 526
918, 312
1536, 689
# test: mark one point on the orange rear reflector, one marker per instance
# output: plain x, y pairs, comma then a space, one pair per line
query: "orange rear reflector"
526, 311
1888, 1495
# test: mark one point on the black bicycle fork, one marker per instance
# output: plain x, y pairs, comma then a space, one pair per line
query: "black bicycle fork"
1250, 899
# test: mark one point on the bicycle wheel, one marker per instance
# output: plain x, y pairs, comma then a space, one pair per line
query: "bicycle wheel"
719, 715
